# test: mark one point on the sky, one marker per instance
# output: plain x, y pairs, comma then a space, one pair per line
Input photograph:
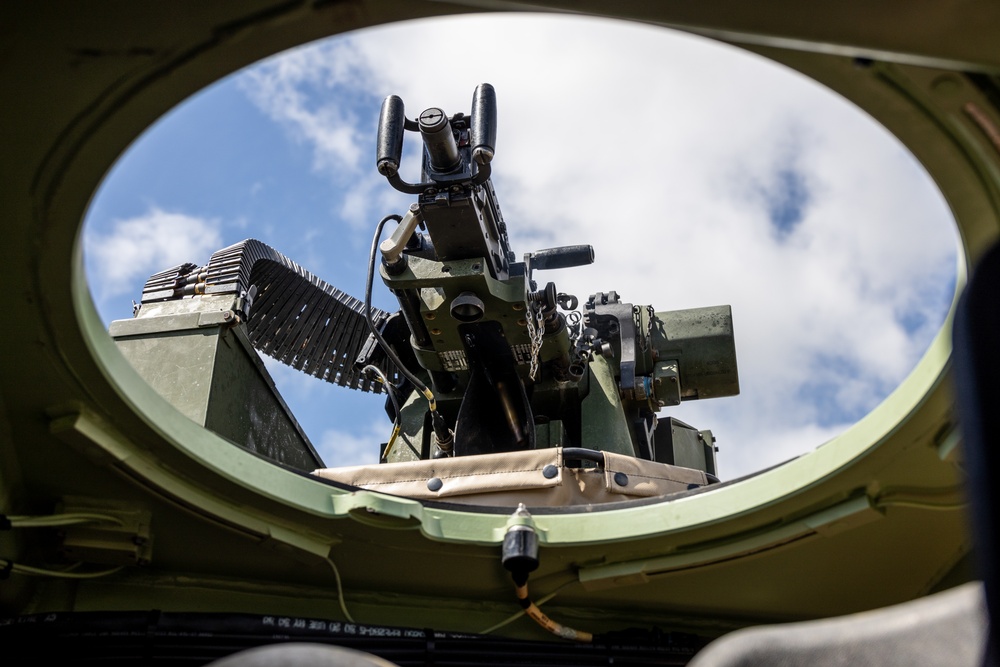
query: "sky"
701, 174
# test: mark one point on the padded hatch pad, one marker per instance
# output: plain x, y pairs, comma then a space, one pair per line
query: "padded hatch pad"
536, 478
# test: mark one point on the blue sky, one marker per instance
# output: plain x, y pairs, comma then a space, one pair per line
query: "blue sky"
700, 174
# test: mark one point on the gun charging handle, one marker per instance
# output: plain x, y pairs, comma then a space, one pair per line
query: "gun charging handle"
564, 257
392, 248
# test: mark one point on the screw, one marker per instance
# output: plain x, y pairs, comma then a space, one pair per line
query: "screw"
431, 116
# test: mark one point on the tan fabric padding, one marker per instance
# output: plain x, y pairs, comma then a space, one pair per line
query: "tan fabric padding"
459, 475
648, 478
504, 480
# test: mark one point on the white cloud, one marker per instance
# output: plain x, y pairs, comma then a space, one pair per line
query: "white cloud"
284, 88
135, 248
356, 446
658, 149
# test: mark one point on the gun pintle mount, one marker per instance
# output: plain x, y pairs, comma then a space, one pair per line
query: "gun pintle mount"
480, 358
513, 365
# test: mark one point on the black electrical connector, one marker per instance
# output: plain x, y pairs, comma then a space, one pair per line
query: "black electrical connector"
520, 552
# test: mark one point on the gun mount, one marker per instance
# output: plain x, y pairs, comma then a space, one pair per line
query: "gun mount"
513, 364
482, 358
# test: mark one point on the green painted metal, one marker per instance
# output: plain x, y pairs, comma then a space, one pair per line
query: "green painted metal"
603, 421
194, 354
439, 283
233, 532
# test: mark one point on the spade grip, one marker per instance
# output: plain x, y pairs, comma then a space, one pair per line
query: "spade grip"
483, 134
391, 123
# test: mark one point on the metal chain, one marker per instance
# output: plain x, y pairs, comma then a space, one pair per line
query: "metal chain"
650, 314
645, 337
637, 321
536, 331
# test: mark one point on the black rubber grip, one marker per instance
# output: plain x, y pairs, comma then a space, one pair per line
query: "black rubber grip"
483, 137
391, 122
562, 258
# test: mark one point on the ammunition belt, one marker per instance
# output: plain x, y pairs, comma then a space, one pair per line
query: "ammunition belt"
295, 317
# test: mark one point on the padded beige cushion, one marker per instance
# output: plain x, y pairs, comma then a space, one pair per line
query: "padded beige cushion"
520, 477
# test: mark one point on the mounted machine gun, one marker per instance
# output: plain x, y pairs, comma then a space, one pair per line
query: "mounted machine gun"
512, 364
481, 358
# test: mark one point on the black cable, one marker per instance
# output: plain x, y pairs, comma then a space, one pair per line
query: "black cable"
437, 421
581, 453
390, 389
393, 357
397, 421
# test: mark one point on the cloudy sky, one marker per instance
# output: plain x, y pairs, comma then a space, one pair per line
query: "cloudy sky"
700, 174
